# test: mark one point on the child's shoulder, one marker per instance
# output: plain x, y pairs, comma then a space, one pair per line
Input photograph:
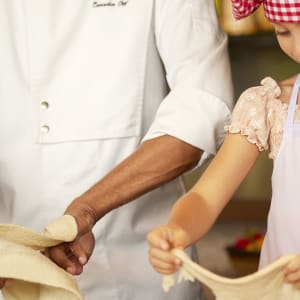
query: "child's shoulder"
268, 89
270, 95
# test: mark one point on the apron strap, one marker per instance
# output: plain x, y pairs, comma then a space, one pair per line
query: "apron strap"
293, 101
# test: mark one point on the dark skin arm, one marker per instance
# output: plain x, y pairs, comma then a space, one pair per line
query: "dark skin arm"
154, 163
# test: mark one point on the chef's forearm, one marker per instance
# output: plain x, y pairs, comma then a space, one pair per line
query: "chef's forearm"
155, 162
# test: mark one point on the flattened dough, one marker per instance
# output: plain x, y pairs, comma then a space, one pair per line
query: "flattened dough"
265, 284
35, 277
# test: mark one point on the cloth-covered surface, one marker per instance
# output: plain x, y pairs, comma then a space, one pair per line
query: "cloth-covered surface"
34, 276
265, 284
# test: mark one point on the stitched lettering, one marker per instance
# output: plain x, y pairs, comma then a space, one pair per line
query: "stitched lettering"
110, 3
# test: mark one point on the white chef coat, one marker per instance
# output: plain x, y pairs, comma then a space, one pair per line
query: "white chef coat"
82, 83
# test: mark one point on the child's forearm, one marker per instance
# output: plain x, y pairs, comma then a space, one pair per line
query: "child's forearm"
196, 211
194, 215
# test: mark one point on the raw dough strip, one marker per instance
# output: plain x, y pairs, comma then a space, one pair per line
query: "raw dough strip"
266, 284
64, 229
35, 277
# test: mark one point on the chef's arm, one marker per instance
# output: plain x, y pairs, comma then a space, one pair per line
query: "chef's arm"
155, 162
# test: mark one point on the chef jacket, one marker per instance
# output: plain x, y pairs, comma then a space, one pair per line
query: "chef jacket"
82, 84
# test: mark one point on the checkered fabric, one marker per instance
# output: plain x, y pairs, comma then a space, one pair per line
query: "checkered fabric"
282, 11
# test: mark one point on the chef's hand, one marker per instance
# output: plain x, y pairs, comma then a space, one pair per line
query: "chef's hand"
292, 272
161, 241
84, 215
4, 282
72, 256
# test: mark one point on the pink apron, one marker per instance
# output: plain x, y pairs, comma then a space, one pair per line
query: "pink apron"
283, 236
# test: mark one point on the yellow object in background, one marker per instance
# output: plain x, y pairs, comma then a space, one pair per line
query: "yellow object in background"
254, 23
232, 26
218, 6
262, 21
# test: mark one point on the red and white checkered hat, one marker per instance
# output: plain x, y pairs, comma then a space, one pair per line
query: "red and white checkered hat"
282, 11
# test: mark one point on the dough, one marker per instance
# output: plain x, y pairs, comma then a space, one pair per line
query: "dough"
35, 277
265, 284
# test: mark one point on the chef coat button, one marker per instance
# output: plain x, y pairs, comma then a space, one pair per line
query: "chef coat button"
45, 129
44, 105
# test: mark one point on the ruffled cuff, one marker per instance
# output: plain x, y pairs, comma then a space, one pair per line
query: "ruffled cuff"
249, 133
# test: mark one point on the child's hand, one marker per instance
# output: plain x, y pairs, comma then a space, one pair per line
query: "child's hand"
161, 241
292, 272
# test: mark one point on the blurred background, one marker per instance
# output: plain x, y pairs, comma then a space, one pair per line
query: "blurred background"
254, 54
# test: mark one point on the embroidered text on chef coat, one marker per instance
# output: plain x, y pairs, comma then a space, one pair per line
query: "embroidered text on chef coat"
110, 3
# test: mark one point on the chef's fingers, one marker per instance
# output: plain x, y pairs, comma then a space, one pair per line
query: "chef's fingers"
78, 252
76, 267
83, 247
62, 255
4, 282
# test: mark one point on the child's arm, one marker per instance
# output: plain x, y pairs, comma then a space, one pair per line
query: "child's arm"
194, 213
